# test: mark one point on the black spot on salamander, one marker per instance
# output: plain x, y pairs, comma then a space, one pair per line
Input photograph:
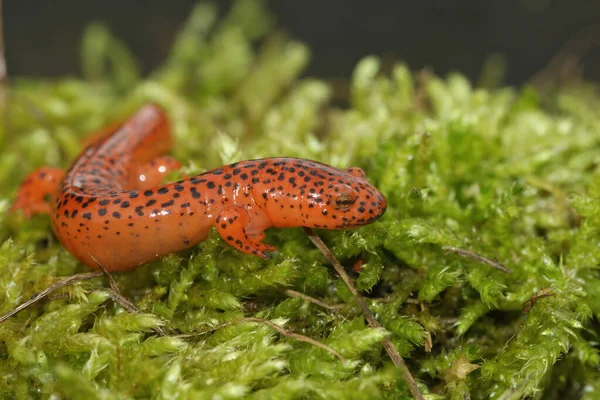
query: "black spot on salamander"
125, 204
102, 212
244, 176
150, 202
73, 213
163, 190
87, 215
116, 201
133, 195
210, 185
139, 211
116, 214
184, 205
148, 193
179, 188
168, 203
255, 180
194, 193
236, 171
104, 202
227, 176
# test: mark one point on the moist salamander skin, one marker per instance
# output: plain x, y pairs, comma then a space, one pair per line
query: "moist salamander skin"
110, 203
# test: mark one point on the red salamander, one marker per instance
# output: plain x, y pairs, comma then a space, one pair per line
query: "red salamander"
110, 203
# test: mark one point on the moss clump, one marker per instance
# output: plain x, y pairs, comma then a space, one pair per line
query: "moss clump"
494, 171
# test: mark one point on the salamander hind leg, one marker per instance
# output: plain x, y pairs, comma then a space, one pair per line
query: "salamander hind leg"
232, 223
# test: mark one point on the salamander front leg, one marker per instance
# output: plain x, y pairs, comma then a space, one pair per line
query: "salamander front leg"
232, 224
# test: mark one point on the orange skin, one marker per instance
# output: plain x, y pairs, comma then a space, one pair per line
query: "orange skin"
110, 204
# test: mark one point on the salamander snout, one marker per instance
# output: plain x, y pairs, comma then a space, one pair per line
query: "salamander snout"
348, 202
297, 192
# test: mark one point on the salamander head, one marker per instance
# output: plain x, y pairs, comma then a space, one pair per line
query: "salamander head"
315, 195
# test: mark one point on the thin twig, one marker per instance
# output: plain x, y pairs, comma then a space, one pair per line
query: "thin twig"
296, 336
387, 344
279, 329
40, 295
204, 332
293, 293
475, 256
528, 304
119, 298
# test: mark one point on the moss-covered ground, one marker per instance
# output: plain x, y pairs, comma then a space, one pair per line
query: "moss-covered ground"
507, 173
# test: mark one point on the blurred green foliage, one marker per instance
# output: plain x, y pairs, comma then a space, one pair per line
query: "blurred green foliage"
505, 173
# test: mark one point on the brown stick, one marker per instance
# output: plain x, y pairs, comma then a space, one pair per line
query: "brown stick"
293, 293
387, 344
119, 298
40, 295
475, 256
284, 332
296, 336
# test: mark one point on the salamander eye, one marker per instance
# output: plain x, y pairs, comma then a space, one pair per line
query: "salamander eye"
343, 196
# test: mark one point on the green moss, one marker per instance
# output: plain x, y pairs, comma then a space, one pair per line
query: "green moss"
501, 172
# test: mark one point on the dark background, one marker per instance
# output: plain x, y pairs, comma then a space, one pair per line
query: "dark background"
42, 38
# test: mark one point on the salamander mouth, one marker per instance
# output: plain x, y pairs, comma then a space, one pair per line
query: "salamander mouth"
352, 223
